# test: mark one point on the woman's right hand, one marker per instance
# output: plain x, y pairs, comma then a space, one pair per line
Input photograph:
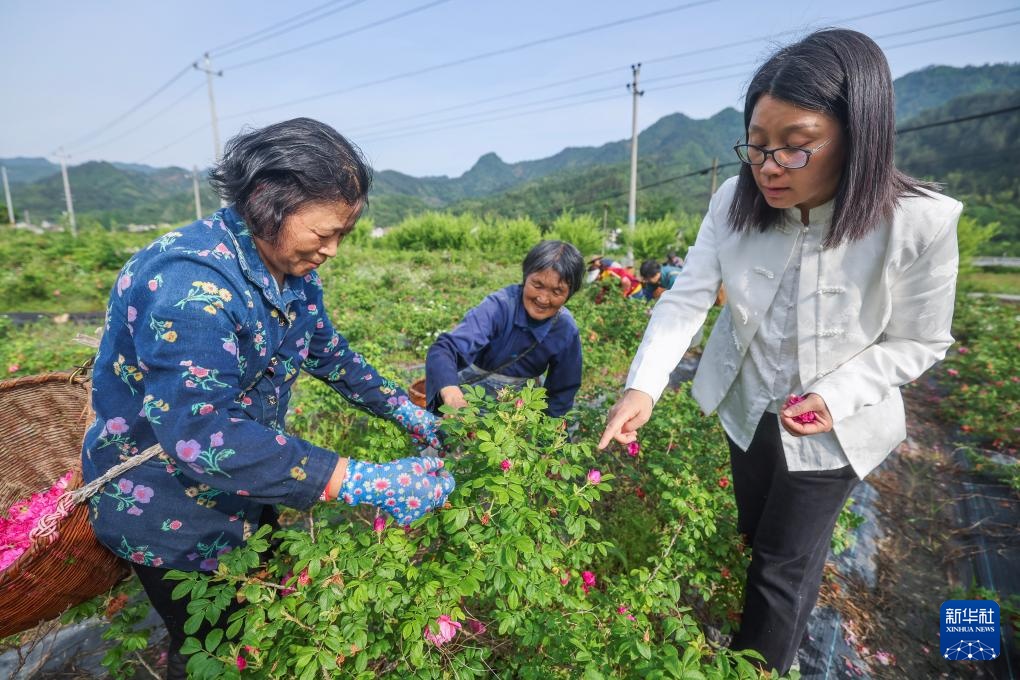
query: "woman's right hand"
453, 396
624, 419
406, 488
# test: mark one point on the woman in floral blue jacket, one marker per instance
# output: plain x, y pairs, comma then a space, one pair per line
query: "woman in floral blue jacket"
206, 331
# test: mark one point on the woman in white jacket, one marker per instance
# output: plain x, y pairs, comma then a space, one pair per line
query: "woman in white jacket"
841, 274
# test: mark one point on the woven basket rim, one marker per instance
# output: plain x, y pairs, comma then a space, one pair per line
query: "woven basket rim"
71, 377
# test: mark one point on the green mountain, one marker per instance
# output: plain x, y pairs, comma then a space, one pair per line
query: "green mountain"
23, 170
974, 159
935, 85
586, 178
113, 195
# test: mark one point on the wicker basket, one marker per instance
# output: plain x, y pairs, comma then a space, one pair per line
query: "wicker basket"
42, 422
416, 392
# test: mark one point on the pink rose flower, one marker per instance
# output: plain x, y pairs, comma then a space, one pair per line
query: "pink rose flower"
802, 418
588, 581
505, 464
447, 630
633, 449
476, 627
241, 663
594, 476
379, 524
13, 368
953, 372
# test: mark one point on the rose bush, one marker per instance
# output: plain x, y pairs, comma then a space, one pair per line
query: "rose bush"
516, 575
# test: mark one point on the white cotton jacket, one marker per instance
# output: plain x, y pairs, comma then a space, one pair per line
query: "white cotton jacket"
871, 315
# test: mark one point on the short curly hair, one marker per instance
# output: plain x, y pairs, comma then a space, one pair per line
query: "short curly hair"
270, 173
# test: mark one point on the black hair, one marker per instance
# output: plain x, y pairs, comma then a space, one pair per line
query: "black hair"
650, 268
272, 172
844, 74
561, 257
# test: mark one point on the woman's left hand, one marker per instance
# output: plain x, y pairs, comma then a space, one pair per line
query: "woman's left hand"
811, 403
421, 425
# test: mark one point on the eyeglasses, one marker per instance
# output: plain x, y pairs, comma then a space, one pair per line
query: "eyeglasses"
790, 157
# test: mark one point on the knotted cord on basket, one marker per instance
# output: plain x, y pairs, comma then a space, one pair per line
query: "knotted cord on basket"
47, 525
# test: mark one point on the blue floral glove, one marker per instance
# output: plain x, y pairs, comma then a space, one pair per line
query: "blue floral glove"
420, 423
406, 488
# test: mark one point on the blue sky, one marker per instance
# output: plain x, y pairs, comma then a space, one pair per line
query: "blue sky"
74, 68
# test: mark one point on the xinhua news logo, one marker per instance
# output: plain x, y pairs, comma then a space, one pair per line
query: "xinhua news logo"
970, 630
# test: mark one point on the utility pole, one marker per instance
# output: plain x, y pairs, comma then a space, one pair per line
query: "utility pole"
632, 207
715, 176
7, 195
198, 199
67, 192
209, 73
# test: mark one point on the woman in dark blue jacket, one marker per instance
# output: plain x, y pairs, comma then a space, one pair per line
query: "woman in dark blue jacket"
520, 332
206, 331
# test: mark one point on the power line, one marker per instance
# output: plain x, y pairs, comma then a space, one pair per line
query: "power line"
186, 135
558, 83
478, 57
947, 23
269, 32
952, 35
738, 43
497, 118
430, 127
361, 129
337, 36
961, 119
134, 108
705, 171
166, 109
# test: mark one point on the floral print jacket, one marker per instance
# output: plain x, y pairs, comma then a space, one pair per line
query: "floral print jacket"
200, 351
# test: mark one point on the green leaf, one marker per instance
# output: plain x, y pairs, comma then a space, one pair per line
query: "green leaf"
213, 639
190, 646
193, 623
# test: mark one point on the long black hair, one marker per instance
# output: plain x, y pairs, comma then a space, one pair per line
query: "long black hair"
271, 172
844, 74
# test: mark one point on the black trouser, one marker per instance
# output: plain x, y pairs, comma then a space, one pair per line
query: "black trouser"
175, 612
788, 518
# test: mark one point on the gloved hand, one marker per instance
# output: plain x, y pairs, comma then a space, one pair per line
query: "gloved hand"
406, 488
420, 423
